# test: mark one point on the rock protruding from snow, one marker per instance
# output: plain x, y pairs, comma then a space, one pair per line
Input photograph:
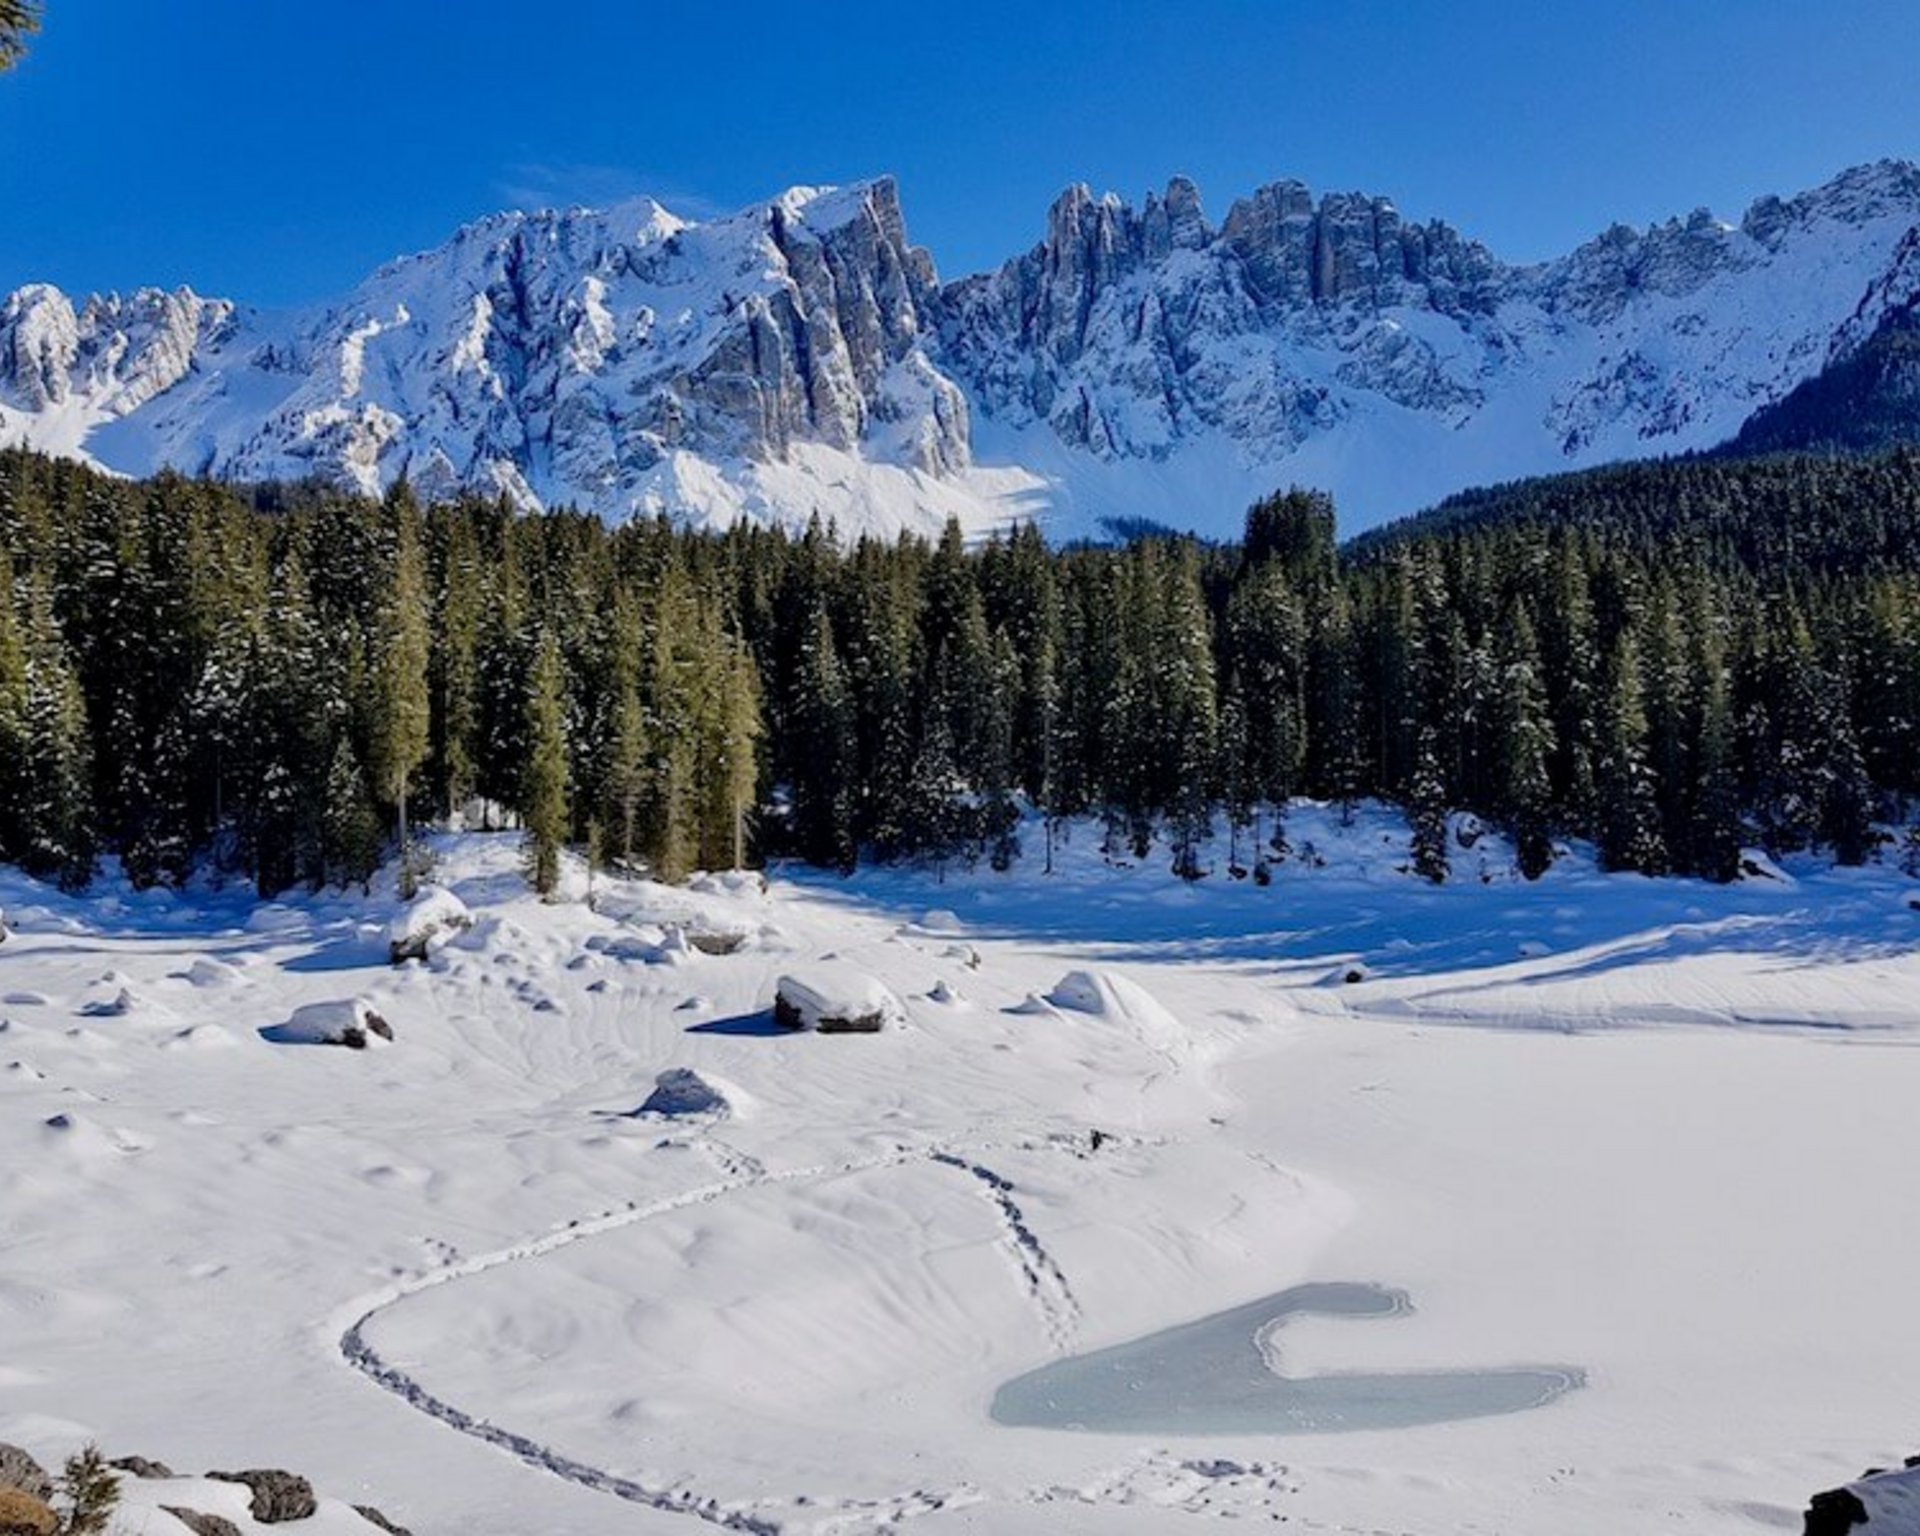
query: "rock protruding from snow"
1880, 1503
349, 1022
142, 1467
278, 1497
200, 1522
836, 999
680, 1093
375, 1518
20, 1470
430, 919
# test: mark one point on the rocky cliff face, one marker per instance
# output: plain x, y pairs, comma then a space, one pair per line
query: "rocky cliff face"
545, 356
1126, 332
116, 353
802, 357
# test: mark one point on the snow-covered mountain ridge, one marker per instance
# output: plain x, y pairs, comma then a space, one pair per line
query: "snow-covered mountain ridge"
803, 356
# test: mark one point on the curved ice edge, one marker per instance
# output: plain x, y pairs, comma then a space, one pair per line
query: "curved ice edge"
1218, 1375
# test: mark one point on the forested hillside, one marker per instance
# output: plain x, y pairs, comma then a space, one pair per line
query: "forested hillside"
1670, 659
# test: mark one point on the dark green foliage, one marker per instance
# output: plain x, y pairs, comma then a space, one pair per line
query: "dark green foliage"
1427, 810
1671, 660
19, 20
1866, 402
545, 796
89, 1492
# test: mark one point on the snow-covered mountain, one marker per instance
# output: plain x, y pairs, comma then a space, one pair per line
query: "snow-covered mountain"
802, 356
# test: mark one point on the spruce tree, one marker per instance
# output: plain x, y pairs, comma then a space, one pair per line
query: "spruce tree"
1629, 809
1523, 735
400, 714
544, 795
351, 823
1714, 835
1427, 812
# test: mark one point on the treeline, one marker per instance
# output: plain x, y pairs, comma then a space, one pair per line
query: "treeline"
1672, 660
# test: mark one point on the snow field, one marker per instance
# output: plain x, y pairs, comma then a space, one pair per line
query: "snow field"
1653, 1128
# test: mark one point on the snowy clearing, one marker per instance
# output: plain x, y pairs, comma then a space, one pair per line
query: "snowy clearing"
1653, 1130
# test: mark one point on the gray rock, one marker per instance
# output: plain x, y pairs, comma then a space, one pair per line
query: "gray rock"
277, 1496
201, 1523
373, 1517
19, 1470
140, 1466
1834, 1513
681, 1092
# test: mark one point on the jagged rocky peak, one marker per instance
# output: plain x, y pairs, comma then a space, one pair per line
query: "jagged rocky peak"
803, 355
1352, 247
117, 351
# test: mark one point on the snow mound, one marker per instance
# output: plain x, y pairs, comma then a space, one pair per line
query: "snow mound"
351, 1022
1892, 1502
206, 971
431, 918
680, 1093
122, 1004
1106, 995
836, 999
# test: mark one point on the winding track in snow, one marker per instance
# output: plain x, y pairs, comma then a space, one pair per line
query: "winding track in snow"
1047, 1284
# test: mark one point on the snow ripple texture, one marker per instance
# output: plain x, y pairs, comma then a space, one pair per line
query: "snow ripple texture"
1046, 1283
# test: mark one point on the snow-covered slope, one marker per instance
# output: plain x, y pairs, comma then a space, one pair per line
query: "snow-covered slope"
802, 357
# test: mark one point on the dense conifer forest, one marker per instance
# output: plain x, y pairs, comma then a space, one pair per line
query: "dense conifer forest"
1671, 659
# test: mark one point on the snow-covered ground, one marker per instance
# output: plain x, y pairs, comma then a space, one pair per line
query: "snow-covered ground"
1657, 1131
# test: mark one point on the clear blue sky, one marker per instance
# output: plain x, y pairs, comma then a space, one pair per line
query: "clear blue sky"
276, 152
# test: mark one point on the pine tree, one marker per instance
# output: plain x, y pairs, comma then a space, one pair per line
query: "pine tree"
1000, 815
55, 812
627, 742
455, 682
1629, 810
400, 716
730, 773
19, 20
14, 680
1714, 836
1847, 803
351, 823
544, 796
1427, 811
90, 1490
824, 765
1523, 736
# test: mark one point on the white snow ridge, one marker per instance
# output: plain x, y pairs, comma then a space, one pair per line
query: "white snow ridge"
801, 357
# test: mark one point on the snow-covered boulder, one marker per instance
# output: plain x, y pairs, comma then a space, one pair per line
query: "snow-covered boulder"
431, 918
1107, 995
351, 1022
680, 1093
836, 999
1879, 1504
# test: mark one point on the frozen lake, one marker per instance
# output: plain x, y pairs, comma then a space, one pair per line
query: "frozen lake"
1219, 1376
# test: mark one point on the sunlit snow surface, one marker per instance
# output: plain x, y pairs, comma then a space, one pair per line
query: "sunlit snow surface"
1658, 1130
